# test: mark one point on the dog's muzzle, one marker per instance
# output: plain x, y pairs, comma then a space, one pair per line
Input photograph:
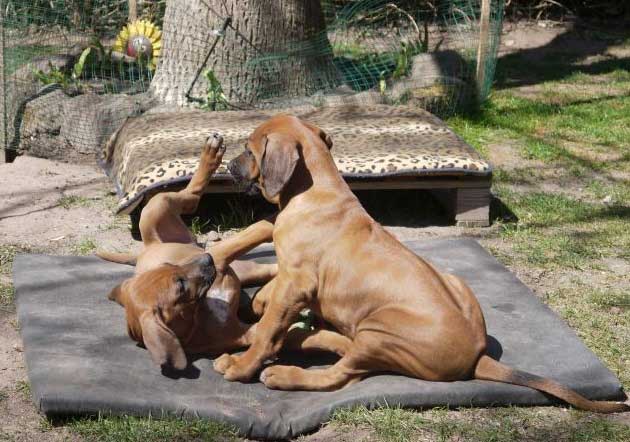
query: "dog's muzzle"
249, 187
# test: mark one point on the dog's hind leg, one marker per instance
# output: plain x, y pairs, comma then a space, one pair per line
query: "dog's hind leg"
161, 220
317, 340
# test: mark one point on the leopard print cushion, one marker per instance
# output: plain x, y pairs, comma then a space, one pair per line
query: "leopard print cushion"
156, 150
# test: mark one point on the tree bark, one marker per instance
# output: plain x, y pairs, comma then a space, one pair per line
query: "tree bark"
271, 49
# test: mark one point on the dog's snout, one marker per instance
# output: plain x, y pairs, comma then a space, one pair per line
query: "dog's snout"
233, 167
206, 260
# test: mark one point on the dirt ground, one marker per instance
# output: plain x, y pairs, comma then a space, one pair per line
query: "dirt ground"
58, 208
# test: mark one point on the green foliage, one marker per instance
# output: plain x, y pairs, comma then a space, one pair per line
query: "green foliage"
77, 70
96, 62
63, 78
53, 76
215, 98
405, 56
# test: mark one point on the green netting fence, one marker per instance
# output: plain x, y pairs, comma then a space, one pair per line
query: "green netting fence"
72, 71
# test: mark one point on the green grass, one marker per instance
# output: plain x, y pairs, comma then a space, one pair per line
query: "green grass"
23, 387
133, 429
7, 254
221, 213
197, 226
84, 247
69, 201
619, 192
7, 294
606, 299
552, 124
588, 310
559, 231
236, 216
492, 425
3, 395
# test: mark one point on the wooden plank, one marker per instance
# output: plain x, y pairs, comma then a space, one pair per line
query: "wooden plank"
472, 207
394, 183
482, 49
447, 198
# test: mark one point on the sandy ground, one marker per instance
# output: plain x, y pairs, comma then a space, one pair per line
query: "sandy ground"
53, 207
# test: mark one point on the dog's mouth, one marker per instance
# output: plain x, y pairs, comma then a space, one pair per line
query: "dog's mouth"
252, 189
247, 186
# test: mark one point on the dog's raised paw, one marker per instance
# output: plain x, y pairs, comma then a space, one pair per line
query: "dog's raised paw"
213, 151
215, 142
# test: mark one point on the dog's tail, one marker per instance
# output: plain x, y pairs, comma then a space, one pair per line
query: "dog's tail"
121, 258
490, 370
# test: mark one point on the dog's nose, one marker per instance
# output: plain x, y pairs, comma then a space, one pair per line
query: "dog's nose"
206, 259
206, 262
233, 167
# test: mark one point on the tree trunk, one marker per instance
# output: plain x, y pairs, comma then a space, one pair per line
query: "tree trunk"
270, 49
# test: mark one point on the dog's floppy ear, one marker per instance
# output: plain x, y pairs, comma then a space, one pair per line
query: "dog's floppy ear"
161, 342
118, 294
278, 162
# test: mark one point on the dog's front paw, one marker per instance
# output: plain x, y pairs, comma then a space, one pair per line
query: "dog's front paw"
280, 377
239, 372
213, 150
223, 362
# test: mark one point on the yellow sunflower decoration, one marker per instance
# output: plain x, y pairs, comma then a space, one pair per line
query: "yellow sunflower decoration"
140, 39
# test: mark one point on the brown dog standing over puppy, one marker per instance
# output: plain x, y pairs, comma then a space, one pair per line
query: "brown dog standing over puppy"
390, 309
183, 299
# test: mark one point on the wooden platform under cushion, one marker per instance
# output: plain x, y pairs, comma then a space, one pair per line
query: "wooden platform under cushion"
375, 147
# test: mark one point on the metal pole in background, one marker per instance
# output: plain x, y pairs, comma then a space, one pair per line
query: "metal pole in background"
482, 50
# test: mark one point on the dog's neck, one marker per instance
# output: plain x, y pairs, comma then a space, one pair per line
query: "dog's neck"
216, 330
315, 170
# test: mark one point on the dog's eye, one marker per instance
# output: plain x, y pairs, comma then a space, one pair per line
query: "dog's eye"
181, 285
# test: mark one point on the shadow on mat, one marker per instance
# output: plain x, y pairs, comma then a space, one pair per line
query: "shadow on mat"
300, 359
403, 208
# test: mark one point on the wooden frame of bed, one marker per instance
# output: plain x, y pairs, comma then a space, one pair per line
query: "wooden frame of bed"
466, 198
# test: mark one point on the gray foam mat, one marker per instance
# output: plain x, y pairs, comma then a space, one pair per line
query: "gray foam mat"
80, 360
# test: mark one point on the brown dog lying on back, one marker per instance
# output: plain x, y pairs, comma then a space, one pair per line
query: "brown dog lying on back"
390, 309
182, 299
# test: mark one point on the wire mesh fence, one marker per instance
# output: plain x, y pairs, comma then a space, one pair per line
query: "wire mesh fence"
72, 71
